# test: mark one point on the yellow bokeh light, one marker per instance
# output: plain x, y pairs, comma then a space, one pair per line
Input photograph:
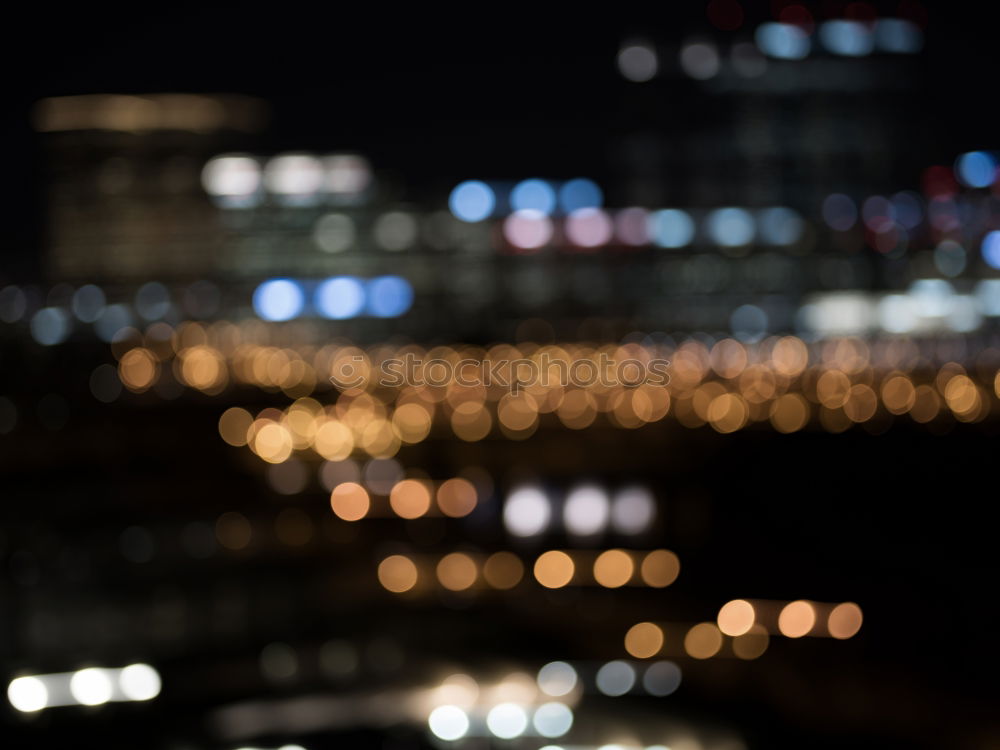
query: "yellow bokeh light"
703, 641
410, 498
660, 568
789, 413
554, 569
273, 443
844, 620
397, 573
350, 501
138, 369
202, 367
736, 617
644, 640
613, 568
333, 440
471, 421
577, 410
503, 570
898, 394
457, 497
752, 644
412, 422
797, 619
926, 404
234, 425
861, 404
833, 389
728, 413
457, 571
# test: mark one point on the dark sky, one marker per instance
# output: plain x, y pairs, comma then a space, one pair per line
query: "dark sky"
491, 90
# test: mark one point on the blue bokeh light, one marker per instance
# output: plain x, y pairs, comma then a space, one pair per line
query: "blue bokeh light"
533, 194
671, 227
898, 36
472, 201
580, 193
388, 296
278, 299
784, 41
340, 297
847, 38
976, 169
731, 227
991, 249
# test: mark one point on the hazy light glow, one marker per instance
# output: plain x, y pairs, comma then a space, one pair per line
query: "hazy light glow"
295, 178
748, 322
632, 510
527, 229
898, 35
50, 326
700, 60
278, 300
472, 201
632, 226
839, 212
346, 175
395, 230
898, 313
747, 60
232, 180
588, 227
987, 294
88, 303
638, 62
334, 233
661, 678
615, 678
780, 226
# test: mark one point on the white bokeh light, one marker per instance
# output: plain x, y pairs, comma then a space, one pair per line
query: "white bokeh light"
27, 694
448, 722
91, 687
139, 682
507, 721
527, 511
586, 510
